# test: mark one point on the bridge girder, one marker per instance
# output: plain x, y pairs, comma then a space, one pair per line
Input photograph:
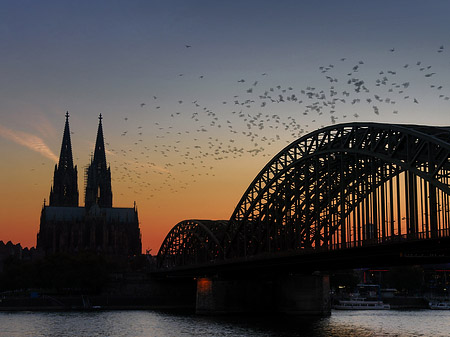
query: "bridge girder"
342, 186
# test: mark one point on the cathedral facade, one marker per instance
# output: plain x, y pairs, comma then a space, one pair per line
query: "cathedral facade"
67, 227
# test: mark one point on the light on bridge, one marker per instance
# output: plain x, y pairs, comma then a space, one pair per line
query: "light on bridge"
204, 285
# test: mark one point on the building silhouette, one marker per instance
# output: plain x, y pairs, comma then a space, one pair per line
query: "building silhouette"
67, 227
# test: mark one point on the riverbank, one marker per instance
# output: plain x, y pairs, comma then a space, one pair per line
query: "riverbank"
90, 303
102, 302
404, 303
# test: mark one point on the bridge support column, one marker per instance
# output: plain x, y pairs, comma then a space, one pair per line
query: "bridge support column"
304, 295
231, 296
213, 296
287, 294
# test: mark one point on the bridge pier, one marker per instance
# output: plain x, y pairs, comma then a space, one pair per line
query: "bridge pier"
285, 294
304, 295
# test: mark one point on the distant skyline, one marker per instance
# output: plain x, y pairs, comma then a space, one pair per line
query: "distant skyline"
197, 96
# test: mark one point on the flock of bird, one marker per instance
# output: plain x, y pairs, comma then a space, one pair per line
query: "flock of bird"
162, 147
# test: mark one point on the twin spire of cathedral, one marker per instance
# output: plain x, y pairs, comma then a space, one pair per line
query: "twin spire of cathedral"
65, 182
65, 178
65, 158
98, 184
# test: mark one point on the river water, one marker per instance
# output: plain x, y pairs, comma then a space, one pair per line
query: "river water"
161, 324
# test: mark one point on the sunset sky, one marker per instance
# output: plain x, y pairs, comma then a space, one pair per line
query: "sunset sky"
197, 96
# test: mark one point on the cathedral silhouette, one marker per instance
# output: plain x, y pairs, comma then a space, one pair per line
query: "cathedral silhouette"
99, 227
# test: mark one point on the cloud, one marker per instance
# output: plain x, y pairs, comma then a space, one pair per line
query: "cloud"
28, 140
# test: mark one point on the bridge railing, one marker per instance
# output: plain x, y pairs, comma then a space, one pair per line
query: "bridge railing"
388, 240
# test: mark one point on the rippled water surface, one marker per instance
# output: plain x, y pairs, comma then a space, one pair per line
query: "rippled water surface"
154, 323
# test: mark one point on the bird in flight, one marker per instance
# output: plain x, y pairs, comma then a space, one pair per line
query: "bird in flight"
187, 46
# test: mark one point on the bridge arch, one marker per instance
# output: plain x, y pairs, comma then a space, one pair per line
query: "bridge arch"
346, 185
192, 242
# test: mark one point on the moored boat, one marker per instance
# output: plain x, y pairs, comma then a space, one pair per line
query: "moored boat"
361, 304
439, 305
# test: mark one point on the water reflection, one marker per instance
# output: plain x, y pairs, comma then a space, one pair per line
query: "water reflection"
163, 324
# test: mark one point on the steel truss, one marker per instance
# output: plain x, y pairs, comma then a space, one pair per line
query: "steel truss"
192, 242
341, 186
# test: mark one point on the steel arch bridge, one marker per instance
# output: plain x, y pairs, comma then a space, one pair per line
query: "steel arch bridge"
343, 186
193, 242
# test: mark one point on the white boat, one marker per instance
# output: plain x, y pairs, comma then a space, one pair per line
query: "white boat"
361, 304
439, 305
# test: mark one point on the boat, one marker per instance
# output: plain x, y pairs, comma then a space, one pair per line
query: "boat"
367, 297
361, 304
439, 305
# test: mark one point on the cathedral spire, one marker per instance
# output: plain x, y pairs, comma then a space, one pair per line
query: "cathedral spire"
65, 184
99, 152
65, 157
98, 182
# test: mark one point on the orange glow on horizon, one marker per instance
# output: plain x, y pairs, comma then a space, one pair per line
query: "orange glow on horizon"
212, 197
